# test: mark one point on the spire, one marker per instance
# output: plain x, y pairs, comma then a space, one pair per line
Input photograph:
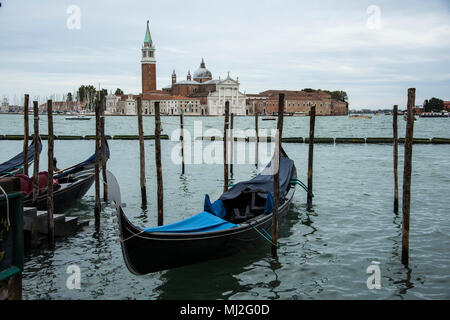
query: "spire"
173, 73
202, 65
148, 37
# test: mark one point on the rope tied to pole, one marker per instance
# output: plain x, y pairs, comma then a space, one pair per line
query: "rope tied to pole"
269, 238
300, 183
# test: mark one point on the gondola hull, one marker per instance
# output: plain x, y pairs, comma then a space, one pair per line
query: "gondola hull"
66, 196
146, 252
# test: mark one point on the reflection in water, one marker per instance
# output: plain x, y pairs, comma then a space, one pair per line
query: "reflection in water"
405, 283
143, 217
184, 184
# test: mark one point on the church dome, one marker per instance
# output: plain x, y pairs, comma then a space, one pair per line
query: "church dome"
202, 72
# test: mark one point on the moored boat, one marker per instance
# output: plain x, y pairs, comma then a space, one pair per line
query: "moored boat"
242, 215
78, 117
15, 164
70, 185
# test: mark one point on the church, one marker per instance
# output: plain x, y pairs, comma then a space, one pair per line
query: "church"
199, 94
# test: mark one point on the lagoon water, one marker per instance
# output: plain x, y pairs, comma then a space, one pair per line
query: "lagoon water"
324, 253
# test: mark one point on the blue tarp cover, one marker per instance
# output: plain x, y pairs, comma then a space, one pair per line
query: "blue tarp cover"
202, 222
215, 208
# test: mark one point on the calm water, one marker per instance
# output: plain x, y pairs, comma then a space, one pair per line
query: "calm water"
324, 253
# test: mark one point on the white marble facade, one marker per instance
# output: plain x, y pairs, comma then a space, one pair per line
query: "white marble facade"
226, 90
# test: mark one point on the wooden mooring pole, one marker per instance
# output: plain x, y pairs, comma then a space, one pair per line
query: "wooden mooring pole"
406, 201
395, 140
97, 208
276, 178
231, 159
312, 121
50, 142
256, 139
36, 152
103, 147
25, 134
225, 140
159, 177
182, 140
141, 154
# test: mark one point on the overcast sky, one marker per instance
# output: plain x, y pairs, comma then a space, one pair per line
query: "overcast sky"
373, 50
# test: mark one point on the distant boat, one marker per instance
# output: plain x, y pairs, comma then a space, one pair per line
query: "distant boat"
442, 114
269, 118
359, 116
79, 117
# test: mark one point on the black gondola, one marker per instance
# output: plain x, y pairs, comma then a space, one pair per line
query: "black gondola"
15, 165
246, 216
72, 184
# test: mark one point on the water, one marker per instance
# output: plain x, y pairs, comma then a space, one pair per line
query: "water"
324, 253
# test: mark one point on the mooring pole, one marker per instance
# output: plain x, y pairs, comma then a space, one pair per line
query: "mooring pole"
407, 175
225, 140
141, 154
231, 159
97, 163
256, 138
50, 141
36, 152
159, 177
25, 134
103, 147
312, 121
394, 125
182, 140
276, 178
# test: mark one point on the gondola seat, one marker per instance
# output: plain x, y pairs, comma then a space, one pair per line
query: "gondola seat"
26, 183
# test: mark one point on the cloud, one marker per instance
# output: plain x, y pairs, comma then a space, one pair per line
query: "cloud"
268, 44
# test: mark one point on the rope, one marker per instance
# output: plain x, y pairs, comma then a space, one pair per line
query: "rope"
296, 181
262, 235
134, 235
7, 206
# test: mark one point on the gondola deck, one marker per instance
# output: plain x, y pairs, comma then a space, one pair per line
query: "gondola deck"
155, 250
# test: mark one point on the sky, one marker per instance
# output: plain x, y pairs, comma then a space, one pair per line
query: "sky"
373, 50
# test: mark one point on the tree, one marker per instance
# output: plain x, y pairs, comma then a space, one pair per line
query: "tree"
69, 97
118, 92
339, 95
434, 104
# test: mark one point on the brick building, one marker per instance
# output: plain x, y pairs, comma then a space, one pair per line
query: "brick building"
296, 103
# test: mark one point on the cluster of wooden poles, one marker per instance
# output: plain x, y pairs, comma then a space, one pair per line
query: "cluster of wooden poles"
100, 155
228, 167
50, 221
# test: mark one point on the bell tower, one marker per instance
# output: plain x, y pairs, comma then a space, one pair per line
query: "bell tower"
148, 63
174, 77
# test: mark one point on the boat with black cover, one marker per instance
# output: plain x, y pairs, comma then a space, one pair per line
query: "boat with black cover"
70, 185
15, 164
242, 215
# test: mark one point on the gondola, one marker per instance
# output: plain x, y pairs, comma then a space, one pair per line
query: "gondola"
70, 185
15, 165
242, 215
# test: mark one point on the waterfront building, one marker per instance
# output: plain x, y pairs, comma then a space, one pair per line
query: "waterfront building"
199, 94
112, 104
65, 106
296, 103
4, 107
447, 105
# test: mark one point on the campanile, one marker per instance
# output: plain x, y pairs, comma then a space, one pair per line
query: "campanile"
148, 63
